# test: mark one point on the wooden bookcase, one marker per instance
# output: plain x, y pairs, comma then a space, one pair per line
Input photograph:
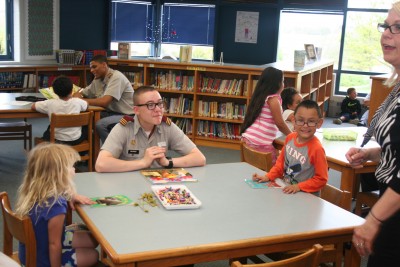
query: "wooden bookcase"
207, 112
209, 122
379, 92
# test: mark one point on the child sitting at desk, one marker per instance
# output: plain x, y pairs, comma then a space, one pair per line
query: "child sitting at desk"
44, 194
290, 99
63, 86
302, 162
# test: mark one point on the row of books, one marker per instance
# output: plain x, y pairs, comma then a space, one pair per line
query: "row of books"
213, 129
221, 86
12, 79
136, 78
47, 80
184, 124
226, 110
171, 80
77, 57
178, 105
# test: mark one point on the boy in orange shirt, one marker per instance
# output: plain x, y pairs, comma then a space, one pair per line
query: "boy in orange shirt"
302, 162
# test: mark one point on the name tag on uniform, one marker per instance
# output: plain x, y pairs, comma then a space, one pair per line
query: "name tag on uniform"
133, 152
161, 144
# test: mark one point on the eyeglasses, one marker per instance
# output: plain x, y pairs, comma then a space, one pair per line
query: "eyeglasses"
395, 28
309, 123
153, 105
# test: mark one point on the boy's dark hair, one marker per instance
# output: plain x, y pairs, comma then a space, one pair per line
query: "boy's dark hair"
350, 90
62, 86
100, 59
310, 104
141, 90
287, 95
269, 83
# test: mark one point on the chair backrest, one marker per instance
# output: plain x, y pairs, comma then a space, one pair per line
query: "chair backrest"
336, 196
75, 120
310, 258
18, 228
261, 160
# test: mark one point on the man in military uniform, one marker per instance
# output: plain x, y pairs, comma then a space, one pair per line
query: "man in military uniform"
111, 90
142, 142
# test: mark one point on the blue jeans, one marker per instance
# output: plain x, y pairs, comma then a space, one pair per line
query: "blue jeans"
104, 122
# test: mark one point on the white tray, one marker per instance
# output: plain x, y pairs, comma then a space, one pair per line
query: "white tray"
157, 188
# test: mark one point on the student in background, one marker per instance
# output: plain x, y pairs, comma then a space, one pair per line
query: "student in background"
290, 99
111, 90
43, 196
351, 108
264, 113
143, 141
364, 117
62, 86
302, 162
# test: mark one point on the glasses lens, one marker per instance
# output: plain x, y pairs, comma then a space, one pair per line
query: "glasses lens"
299, 123
382, 27
160, 104
395, 28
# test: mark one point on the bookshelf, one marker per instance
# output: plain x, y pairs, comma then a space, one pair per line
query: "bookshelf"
208, 101
379, 92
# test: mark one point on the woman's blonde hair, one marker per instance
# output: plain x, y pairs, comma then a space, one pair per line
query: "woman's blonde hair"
47, 177
393, 78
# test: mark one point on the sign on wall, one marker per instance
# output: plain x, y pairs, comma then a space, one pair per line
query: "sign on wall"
246, 27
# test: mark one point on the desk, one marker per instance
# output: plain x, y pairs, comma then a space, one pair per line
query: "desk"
335, 154
233, 221
8, 111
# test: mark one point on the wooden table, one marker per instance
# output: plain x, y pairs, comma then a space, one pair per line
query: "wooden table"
335, 154
233, 221
10, 110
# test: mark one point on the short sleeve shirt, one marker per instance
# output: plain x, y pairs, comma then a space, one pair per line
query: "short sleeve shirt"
59, 106
40, 217
130, 142
115, 84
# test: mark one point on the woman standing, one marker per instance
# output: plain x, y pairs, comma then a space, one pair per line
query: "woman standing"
379, 236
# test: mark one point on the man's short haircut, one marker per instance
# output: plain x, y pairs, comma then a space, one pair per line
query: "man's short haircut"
62, 86
309, 104
141, 90
350, 90
100, 59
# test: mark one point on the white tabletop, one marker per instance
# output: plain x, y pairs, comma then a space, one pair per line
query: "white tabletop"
231, 211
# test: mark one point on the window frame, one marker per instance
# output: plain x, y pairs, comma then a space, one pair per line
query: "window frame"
9, 32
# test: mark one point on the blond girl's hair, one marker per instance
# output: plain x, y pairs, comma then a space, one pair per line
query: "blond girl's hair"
47, 177
393, 78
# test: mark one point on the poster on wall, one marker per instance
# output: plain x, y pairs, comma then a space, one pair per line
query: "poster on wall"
41, 24
246, 27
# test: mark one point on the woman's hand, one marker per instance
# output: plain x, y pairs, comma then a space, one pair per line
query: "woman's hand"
356, 157
364, 236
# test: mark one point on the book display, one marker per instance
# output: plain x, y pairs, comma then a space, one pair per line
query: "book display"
207, 101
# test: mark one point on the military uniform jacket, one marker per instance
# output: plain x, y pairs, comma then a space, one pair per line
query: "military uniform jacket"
129, 142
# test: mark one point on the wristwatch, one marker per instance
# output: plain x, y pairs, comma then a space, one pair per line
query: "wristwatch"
171, 163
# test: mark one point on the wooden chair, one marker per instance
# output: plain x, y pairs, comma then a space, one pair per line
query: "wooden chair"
20, 130
365, 198
18, 228
261, 160
336, 196
74, 120
309, 258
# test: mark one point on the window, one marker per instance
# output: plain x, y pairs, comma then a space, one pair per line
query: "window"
6, 33
321, 29
161, 29
128, 14
180, 21
362, 54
